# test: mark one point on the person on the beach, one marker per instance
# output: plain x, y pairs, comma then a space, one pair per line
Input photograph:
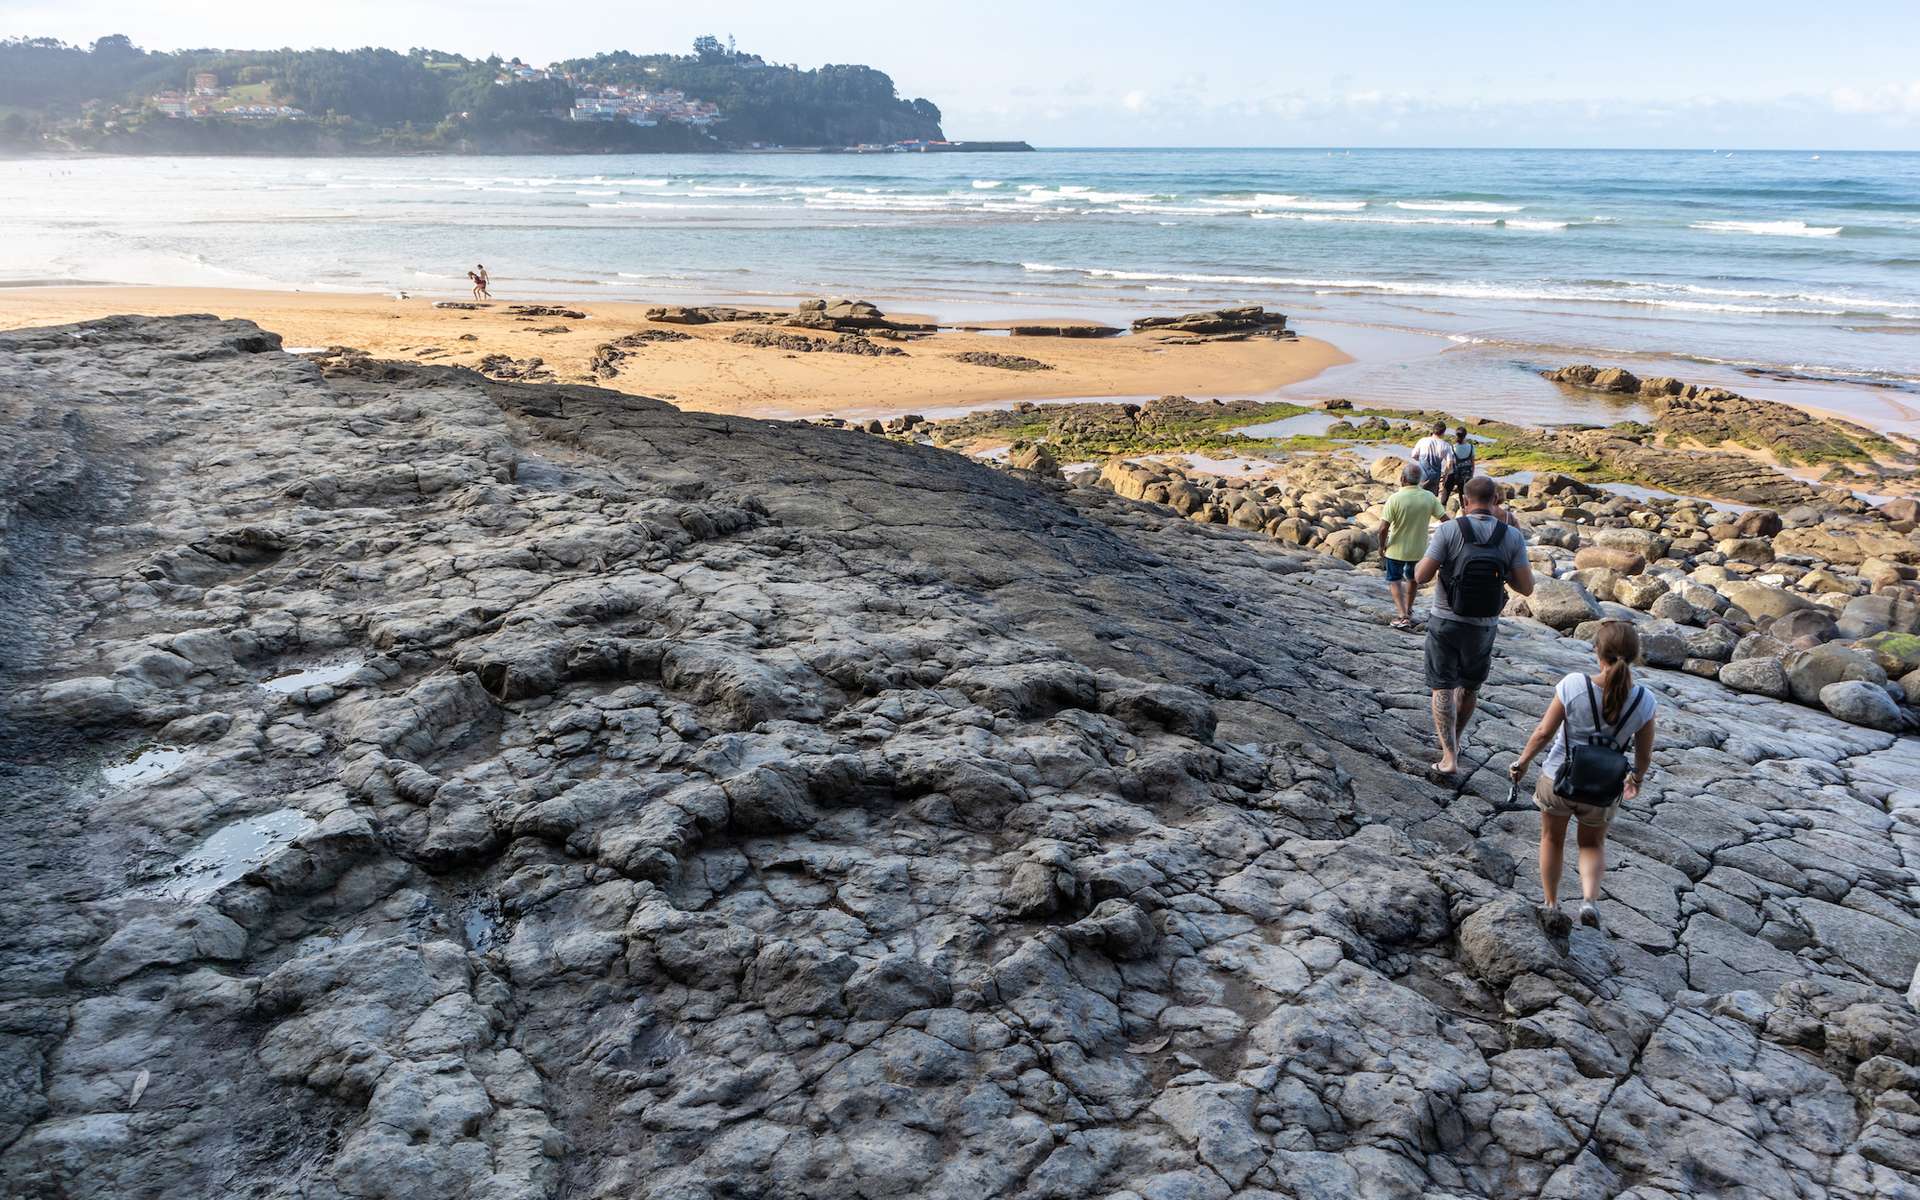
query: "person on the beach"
479, 277
1595, 717
1409, 515
1476, 557
1435, 457
1463, 465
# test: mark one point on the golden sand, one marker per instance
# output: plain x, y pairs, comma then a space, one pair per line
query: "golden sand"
707, 372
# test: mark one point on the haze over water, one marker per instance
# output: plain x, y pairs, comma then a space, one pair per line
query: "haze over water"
1448, 273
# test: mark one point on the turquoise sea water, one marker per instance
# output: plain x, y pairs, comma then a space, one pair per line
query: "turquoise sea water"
1449, 273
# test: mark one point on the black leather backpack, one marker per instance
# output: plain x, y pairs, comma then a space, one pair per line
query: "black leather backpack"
1595, 771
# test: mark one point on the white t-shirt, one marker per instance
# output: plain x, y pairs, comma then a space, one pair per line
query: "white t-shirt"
1583, 721
1432, 450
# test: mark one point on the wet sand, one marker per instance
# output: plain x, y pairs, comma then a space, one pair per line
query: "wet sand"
707, 372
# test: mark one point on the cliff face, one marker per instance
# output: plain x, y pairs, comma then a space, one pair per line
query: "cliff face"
565, 795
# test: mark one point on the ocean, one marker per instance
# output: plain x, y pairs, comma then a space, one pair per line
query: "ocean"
1449, 274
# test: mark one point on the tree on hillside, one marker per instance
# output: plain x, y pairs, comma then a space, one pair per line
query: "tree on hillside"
478, 95
379, 86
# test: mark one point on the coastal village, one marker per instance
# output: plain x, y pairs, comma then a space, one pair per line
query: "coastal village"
210, 99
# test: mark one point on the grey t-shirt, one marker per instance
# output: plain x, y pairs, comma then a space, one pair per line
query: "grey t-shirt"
1447, 544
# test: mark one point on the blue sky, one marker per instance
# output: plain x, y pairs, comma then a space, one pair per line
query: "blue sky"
1235, 72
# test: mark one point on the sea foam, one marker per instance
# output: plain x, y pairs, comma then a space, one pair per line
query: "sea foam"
1769, 228
1480, 206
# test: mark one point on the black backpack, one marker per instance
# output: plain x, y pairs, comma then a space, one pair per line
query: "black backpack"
1477, 576
1595, 772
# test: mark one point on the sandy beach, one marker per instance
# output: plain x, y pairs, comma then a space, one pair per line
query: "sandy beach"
707, 372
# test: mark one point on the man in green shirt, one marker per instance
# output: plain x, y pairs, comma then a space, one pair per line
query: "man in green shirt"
1409, 515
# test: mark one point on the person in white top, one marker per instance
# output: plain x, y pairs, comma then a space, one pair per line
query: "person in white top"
1434, 454
1599, 715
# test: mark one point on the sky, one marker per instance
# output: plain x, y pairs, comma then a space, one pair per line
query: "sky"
1629, 73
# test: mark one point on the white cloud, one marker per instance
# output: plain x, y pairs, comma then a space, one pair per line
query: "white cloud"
1887, 100
1135, 101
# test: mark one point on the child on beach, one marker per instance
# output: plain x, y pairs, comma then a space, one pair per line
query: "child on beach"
479, 277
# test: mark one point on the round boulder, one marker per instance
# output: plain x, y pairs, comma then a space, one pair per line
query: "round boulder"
1671, 606
1861, 703
1808, 627
1759, 676
1562, 603
1640, 591
1663, 644
1758, 600
1866, 615
1809, 672
1760, 523
1612, 558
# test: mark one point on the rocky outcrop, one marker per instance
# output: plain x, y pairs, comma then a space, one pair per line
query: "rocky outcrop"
711, 314
797, 343
529, 312
852, 316
544, 792
1005, 362
1217, 325
524, 370
608, 357
1689, 413
1670, 566
1072, 330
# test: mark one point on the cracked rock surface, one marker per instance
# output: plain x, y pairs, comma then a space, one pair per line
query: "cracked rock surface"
421, 785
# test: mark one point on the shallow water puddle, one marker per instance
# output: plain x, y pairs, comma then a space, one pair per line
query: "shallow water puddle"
1210, 465
232, 851
1307, 424
308, 677
150, 763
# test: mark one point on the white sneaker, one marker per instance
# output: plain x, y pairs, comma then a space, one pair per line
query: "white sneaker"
1589, 915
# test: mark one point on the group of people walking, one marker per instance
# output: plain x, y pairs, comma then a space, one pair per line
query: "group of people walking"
1598, 731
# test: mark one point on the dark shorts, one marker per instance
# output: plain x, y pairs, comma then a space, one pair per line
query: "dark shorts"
1398, 571
1458, 654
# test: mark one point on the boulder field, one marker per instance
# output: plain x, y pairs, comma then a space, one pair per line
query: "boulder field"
1826, 593
420, 785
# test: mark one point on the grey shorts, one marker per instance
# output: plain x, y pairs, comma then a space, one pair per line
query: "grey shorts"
1459, 654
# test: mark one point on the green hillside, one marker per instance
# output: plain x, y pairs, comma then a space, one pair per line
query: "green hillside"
116, 97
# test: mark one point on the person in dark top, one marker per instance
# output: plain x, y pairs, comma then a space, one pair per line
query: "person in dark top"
1455, 484
1476, 557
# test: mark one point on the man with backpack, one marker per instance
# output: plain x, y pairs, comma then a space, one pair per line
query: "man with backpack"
1455, 483
1476, 558
1435, 457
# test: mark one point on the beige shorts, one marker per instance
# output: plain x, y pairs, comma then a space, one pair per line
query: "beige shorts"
1554, 804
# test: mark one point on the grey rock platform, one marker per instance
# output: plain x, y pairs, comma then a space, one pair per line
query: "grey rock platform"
418, 785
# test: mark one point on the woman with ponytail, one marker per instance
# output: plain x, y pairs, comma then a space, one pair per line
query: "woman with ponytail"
1589, 731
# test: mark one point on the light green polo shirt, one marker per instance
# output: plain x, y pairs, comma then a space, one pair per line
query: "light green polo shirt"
1410, 512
